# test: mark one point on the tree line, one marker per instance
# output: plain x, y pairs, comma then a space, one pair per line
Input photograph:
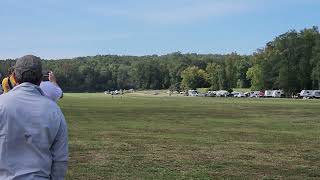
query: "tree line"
290, 62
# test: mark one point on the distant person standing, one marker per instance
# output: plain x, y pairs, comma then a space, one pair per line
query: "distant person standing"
50, 87
33, 130
9, 82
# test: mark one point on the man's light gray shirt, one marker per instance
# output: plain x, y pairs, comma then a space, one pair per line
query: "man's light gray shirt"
50, 90
33, 136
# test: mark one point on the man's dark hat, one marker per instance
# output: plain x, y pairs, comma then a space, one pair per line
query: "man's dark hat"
29, 63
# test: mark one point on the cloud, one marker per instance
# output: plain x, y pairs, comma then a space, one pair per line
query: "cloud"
175, 13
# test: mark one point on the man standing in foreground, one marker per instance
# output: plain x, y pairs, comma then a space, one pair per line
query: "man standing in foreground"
33, 131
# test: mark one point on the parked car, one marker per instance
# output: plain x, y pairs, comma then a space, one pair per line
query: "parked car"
247, 94
316, 94
116, 92
277, 93
130, 91
261, 94
202, 94
268, 93
234, 94
306, 94
222, 93
211, 93
240, 95
237, 94
254, 94
193, 93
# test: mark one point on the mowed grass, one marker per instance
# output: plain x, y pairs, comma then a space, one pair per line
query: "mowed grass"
145, 137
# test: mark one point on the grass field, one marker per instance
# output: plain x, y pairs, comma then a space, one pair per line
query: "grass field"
152, 137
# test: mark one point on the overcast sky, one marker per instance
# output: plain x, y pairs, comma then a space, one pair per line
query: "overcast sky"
70, 28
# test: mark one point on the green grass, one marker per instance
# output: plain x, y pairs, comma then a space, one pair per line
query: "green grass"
151, 137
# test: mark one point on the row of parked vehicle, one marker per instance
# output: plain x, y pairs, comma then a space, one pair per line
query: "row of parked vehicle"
223, 93
119, 92
256, 94
310, 94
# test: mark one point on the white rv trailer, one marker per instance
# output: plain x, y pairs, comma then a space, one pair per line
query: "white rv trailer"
316, 94
277, 93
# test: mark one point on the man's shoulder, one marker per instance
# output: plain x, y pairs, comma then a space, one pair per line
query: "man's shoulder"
48, 102
7, 101
5, 97
46, 83
12, 97
49, 86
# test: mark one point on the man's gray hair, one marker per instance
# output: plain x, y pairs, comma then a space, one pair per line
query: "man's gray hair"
28, 69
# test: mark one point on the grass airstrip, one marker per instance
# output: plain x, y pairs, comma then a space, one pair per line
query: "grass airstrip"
160, 137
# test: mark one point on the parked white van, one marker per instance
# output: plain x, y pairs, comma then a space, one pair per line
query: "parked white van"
222, 93
268, 93
277, 93
306, 94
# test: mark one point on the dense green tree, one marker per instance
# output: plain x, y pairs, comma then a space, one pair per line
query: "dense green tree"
193, 78
242, 66
123, 77
213, 76
288, 62
231, 70
254, 73
315, 62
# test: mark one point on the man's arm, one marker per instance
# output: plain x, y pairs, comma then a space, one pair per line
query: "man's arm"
58, 93
53, 79
59, 151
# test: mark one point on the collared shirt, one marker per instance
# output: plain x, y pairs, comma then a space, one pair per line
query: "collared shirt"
50, 90
33, 136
